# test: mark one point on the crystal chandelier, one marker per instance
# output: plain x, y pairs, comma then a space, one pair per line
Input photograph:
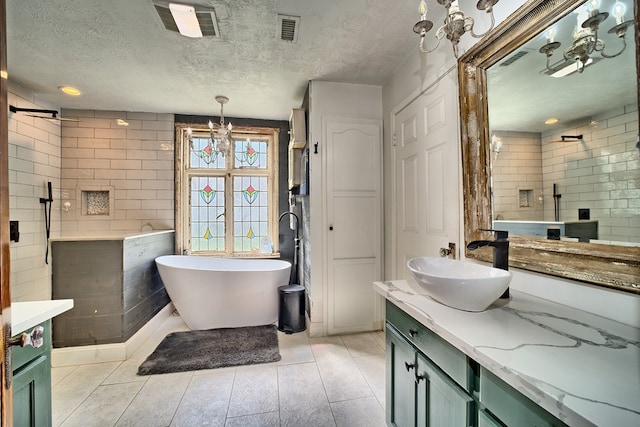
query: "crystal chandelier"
585, 39
456, 24
220, 137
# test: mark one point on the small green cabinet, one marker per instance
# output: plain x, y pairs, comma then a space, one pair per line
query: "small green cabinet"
431, 383
401, 387
32, 383
418, 393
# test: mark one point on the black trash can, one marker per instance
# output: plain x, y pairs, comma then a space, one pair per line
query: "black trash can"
291, 317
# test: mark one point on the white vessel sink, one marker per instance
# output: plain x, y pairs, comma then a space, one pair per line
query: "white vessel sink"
458, 284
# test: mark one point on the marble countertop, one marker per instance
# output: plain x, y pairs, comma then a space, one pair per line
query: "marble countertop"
582, 368
26, 315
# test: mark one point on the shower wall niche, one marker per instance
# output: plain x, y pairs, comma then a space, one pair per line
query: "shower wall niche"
96, 202
114, 283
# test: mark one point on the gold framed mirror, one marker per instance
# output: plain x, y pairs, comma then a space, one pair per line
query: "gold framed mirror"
614, 266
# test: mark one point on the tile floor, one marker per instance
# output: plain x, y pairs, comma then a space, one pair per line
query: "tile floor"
328, 381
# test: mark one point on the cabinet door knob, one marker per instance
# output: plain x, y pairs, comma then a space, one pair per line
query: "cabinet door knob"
409, 366
413, 332
35, 338
419, 378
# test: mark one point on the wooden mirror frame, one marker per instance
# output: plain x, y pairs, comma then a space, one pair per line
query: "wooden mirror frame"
604, 265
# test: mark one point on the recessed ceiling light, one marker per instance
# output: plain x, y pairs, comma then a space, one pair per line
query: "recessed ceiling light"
551, 121
70, 90
122, 122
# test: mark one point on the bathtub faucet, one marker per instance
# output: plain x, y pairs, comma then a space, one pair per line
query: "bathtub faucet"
296, 243
297, 236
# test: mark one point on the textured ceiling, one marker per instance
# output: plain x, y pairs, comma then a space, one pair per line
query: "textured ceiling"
119, 54
121, 57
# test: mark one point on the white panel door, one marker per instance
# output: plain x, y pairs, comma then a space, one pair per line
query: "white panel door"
354, 224
426, 166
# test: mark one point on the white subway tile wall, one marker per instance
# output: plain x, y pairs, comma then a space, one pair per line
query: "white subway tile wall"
599, 172
518, 166
136, 160
34, 159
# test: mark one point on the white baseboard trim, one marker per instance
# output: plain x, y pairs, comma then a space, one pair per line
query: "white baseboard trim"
118, 352
315, 329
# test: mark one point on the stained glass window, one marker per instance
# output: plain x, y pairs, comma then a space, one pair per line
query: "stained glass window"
232, 198
250, 218
251, 153
207, 214
203, 156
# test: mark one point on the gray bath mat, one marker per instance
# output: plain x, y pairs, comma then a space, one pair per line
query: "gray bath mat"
213, 348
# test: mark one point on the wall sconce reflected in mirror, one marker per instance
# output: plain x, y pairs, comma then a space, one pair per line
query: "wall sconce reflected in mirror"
496, 146
66, 206
585, 39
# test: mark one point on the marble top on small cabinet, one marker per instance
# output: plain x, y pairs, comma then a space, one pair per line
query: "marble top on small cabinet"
25, 315
581, 368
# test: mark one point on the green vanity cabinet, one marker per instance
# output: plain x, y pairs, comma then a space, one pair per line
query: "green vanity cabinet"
431, 383
419, 393
32, 383
401, 387
510, 406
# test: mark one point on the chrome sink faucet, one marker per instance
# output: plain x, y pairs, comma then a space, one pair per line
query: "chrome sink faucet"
500, 251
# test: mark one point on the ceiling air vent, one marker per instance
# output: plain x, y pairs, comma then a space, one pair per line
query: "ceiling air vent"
513, 58
288, 28
208, 23
206, 18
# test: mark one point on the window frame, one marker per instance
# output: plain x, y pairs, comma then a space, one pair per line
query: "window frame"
183, 190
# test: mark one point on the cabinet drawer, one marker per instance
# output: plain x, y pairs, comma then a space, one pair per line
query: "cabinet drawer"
22, 355
452, 361
510, 406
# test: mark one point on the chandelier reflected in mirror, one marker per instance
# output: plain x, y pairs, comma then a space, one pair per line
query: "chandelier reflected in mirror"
220, 136
585, 39
456, 23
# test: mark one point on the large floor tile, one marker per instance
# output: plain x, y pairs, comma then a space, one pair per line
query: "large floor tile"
364, 412
126, 372
206, 400
255, 390
303, 401
104, 406
60, 373
72, 390
156, 403
373, 369
269, 419
294, 348
341, 377
324, 381
379, 336
362, 344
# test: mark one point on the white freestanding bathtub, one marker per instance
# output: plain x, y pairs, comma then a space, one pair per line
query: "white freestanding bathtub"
223, 292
